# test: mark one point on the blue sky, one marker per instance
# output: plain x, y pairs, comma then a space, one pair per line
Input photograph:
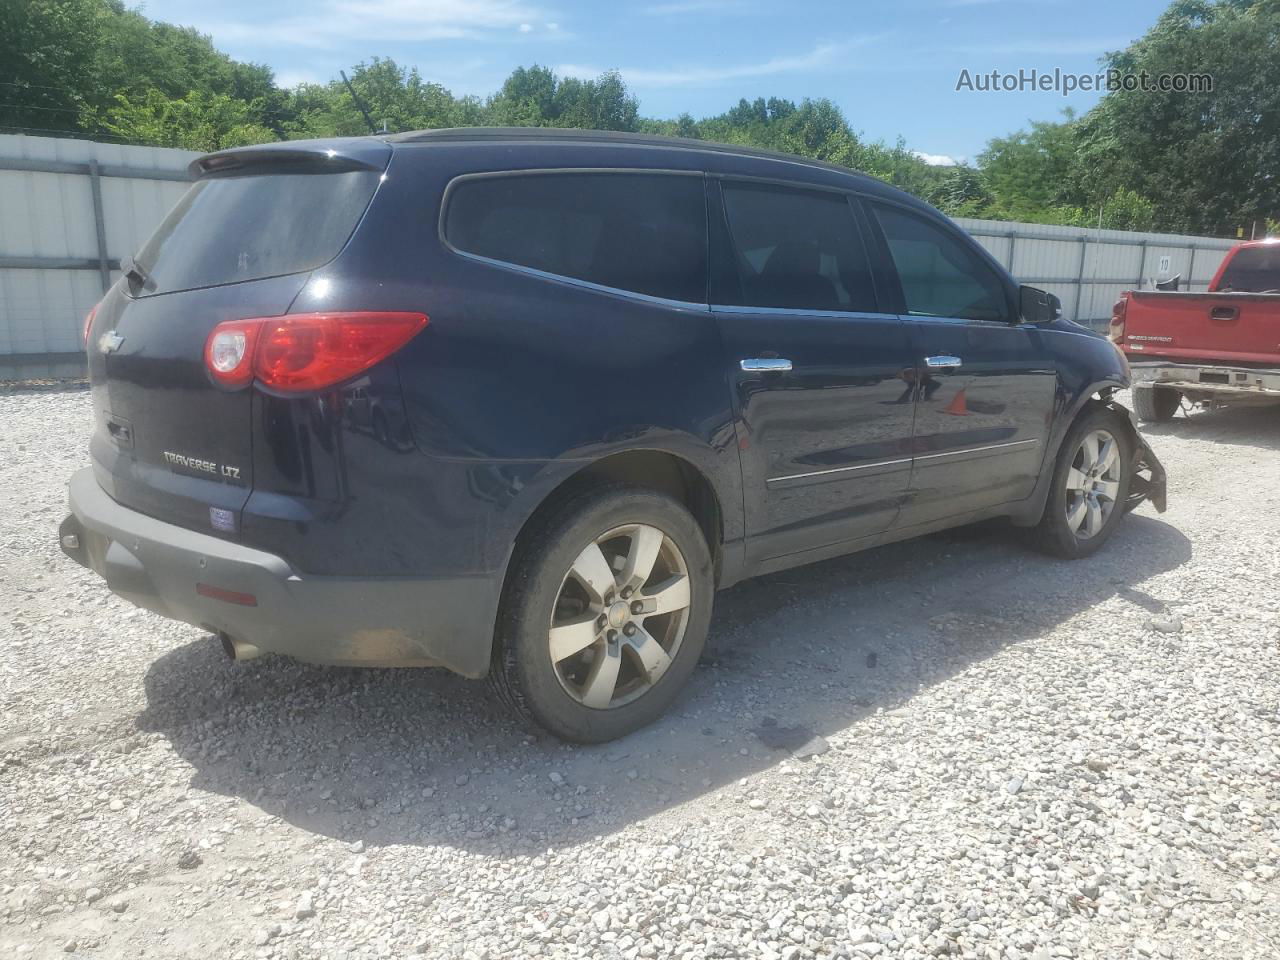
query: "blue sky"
892, 67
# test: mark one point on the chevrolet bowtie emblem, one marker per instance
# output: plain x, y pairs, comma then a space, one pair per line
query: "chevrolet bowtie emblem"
110, 342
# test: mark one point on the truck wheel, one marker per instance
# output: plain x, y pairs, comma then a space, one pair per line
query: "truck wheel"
1089, 487
605, 614
1155, 403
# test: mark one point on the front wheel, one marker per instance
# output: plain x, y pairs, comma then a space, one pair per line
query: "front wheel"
605, 614
1090, 485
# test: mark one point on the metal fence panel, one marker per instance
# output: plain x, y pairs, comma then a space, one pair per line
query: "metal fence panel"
69, 210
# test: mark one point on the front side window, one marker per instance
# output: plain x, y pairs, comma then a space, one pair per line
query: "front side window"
941, 277
795, 249
641, 232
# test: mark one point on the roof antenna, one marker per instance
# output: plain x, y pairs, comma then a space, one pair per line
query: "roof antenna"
360, 104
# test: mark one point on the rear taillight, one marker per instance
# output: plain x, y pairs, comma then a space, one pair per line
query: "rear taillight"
88, 322
306, 351
1118, 311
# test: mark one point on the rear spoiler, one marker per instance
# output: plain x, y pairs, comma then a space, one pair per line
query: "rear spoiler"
337, 155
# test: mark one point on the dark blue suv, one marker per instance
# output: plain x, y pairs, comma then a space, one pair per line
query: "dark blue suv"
517, 402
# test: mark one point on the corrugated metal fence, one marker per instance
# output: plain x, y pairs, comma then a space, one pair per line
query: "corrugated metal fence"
70, 209
1088, 269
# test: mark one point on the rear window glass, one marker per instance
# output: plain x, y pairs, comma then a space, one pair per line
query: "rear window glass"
1253, 270
644, 233
245, 228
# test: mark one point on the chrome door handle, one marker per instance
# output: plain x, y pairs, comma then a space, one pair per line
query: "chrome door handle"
765, 365
939, 363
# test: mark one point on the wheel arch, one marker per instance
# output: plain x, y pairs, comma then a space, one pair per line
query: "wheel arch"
1097, 393
650, 468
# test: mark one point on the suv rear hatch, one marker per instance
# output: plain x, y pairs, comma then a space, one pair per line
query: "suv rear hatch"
241, 243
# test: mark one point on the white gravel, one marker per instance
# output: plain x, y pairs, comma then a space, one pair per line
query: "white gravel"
1004, 756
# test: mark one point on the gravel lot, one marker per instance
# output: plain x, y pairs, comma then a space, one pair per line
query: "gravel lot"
1015, 757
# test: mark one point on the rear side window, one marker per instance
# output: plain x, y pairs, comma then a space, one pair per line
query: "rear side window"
231, 229
795, 249
940, 275
645, 233
1253, 270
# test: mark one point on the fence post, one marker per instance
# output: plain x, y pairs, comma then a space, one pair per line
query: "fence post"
99, 223
1084, 245
1191, 270
1013, 239
1142, 263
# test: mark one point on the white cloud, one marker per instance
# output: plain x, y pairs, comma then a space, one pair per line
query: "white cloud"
335, 22
938, 159
291, 78
823, 55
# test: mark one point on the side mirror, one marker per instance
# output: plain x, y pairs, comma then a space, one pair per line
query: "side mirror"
1038, 306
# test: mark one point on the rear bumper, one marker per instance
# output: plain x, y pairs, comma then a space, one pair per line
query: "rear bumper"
258, 598
1207, 378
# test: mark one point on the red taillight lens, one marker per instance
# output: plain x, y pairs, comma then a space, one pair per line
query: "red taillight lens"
88, 322
306, 351
1118, 311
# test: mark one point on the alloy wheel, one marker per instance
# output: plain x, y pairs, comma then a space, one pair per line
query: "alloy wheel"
619, 616
1093, 484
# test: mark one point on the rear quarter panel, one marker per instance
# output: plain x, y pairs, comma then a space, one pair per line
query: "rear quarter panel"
520, 381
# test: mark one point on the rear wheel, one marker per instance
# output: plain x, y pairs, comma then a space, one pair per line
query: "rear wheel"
605, 615
1155, 403
1090, 485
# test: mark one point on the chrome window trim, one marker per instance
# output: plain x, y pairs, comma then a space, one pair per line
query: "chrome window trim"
797, 312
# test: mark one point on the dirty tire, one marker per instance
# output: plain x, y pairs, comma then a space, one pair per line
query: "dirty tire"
1054, 535
1155, 403
522, 672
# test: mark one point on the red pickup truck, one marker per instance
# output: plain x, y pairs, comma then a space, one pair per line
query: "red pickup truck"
1217, 347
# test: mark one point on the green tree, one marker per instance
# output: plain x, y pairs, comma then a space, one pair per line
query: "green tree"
198, 121
536, 97
1033, 171
46, 61
1210, 160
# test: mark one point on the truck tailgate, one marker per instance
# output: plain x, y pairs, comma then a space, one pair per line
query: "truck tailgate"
1230, 327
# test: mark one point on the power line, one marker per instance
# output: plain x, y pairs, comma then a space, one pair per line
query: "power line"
31, 106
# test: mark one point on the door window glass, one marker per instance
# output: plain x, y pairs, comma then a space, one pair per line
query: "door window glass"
795, 249
941, 277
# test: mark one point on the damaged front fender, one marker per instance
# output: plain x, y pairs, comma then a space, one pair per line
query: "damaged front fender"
1149, 479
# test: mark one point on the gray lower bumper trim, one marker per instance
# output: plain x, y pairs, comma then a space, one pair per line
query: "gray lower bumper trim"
1207, 377
374, 622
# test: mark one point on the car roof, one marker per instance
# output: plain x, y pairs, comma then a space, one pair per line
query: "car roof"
565, 136
370, 152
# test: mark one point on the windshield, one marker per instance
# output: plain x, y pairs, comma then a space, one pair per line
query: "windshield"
1253, 270
232, 229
